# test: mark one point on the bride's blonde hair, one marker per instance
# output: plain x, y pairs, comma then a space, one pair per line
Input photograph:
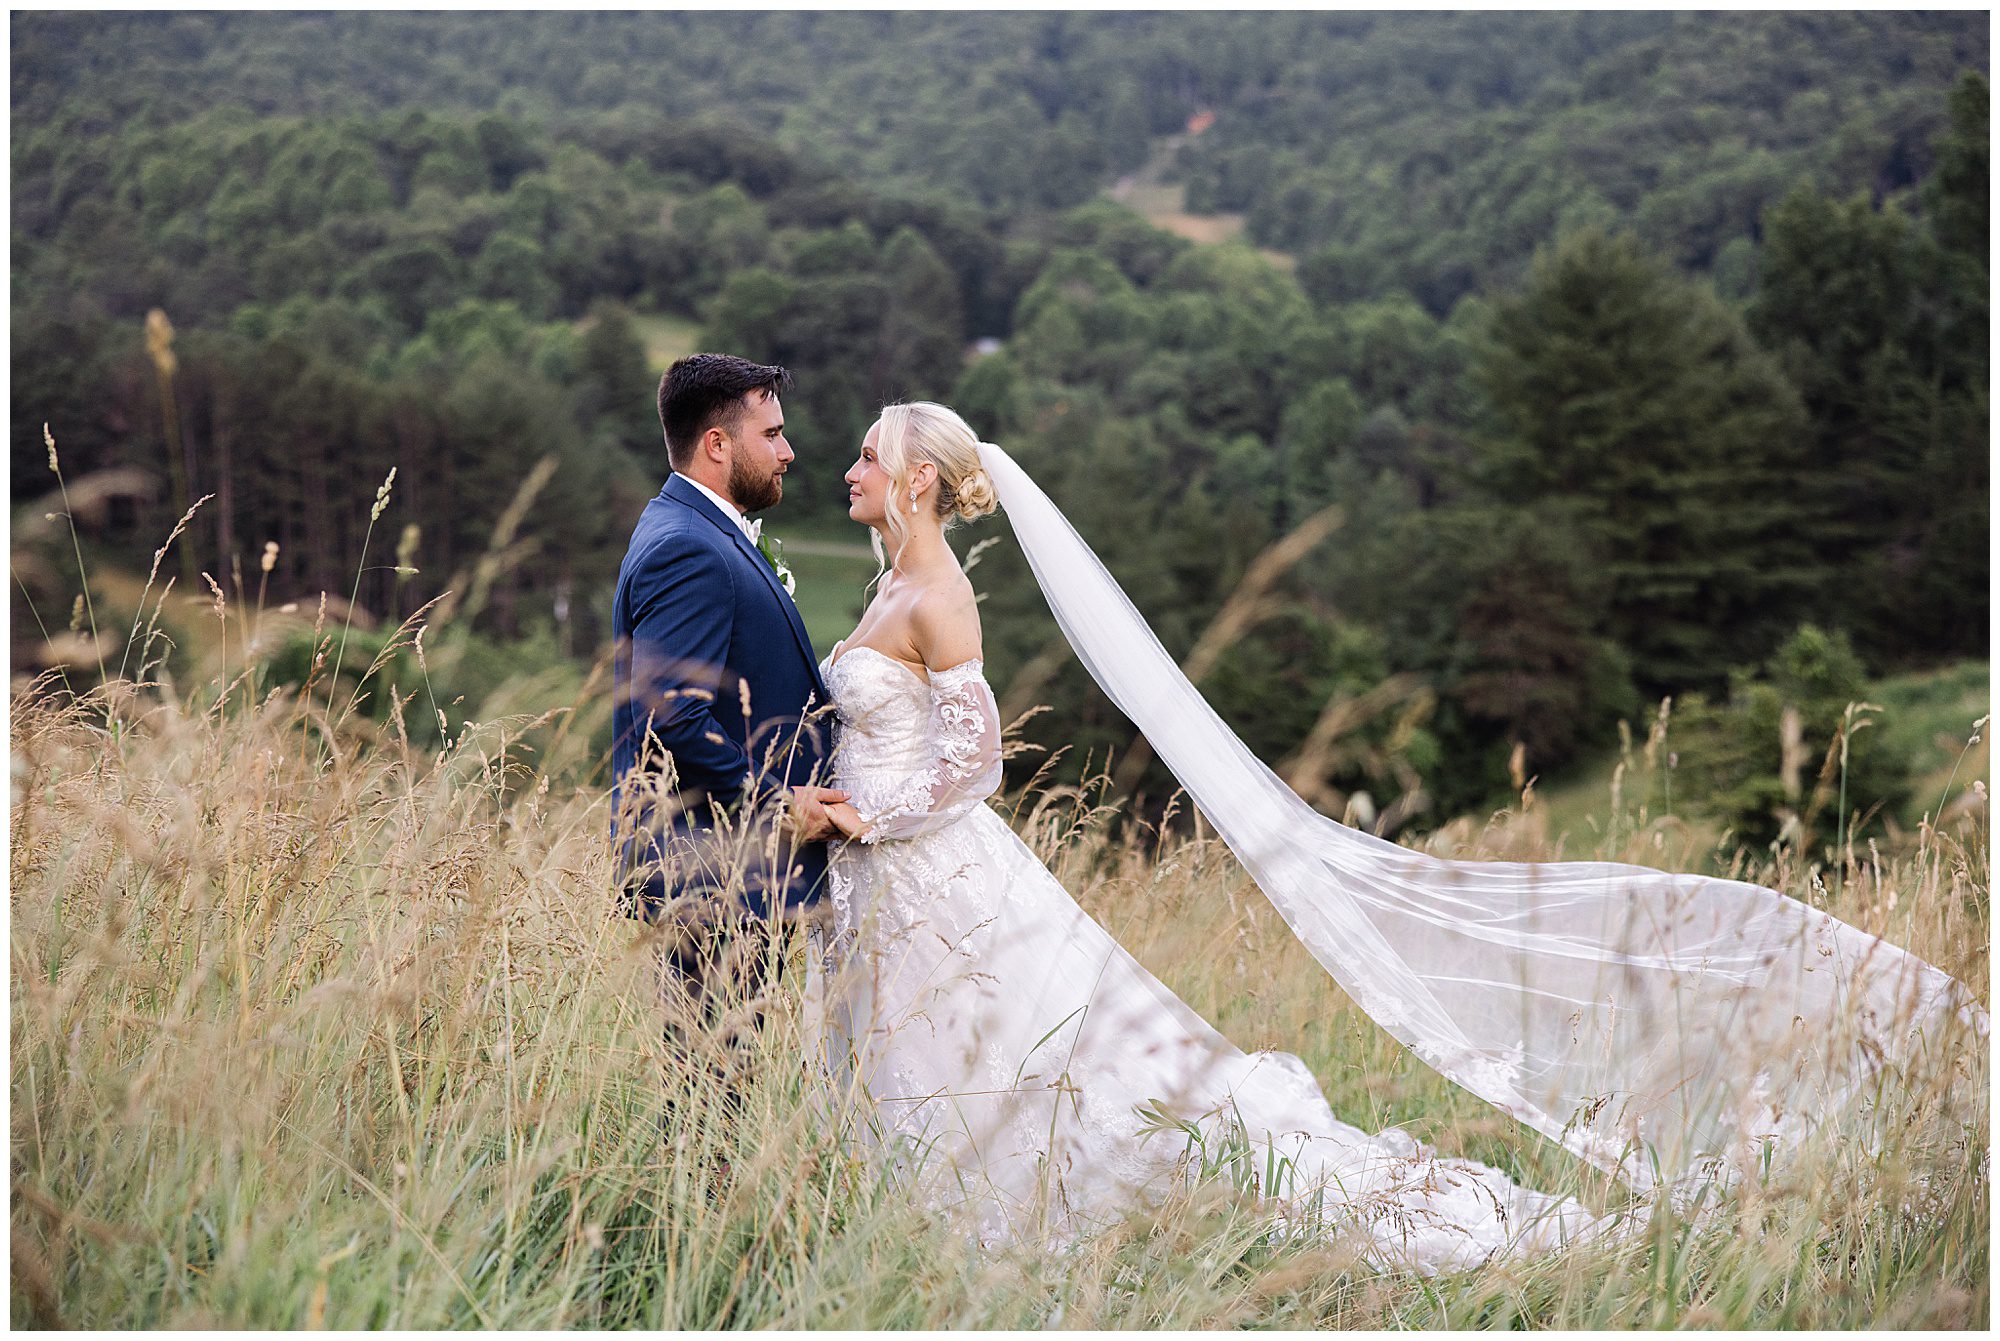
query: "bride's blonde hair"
919, 431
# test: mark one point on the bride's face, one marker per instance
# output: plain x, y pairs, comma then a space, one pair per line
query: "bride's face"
868, 483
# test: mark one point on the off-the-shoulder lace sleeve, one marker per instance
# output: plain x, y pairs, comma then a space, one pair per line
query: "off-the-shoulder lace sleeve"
965, 725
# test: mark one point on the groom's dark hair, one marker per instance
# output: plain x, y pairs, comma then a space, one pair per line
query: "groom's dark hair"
703, 391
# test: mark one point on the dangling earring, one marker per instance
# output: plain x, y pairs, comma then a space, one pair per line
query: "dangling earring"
913, 503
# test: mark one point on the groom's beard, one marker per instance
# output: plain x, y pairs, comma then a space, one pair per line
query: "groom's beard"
752, 489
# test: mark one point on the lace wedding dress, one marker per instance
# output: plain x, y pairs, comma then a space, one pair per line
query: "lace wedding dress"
1019, 1066
1680, 1032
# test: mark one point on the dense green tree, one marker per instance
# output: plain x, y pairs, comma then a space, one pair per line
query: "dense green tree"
1532, 658
1882, 326
611, 377
1640, 397
918, 353
414, 277
506, 149
726, 233
1082, 319
1733, 751
432, 244
512, 268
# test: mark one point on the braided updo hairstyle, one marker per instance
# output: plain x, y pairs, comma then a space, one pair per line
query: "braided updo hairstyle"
925, 431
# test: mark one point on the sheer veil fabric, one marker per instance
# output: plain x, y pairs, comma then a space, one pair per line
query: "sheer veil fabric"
1023, 1075
1669, 1029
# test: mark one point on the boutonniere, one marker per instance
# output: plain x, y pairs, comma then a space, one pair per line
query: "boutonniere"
774, 554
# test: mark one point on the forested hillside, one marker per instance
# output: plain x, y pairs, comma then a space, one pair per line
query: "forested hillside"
1625, 344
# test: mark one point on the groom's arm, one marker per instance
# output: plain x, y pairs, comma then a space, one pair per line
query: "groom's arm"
683, 613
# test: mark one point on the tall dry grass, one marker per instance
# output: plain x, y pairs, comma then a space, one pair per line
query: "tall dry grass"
309, 1029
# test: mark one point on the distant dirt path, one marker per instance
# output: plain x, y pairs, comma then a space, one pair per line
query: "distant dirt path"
1164, 204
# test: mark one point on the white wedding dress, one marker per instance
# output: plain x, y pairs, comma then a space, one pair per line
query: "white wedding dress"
1010, 1057
1680, 1032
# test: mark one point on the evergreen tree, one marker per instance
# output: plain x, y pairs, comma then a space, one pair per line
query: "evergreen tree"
1836, 302
918, 353
1882, 324
1734, 752
1957, 193
1639, 396
616, 386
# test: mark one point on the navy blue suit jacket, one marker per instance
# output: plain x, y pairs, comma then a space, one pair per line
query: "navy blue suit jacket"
699, 617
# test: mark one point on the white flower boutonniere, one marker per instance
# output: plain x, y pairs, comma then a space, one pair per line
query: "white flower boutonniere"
774, 554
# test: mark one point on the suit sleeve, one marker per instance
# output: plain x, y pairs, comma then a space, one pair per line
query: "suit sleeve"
682, 613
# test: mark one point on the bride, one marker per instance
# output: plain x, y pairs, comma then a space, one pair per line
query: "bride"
1019, 1065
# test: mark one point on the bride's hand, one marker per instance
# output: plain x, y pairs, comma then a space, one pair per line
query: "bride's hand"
847, 819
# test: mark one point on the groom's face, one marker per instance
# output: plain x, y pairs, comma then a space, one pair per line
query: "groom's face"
758, 454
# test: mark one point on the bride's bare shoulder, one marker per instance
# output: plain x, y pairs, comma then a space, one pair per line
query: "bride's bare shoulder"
944, 622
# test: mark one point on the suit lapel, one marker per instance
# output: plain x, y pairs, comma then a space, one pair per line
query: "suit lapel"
681, 491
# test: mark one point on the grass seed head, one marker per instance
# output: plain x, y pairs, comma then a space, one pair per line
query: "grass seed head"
382, 495
160, 342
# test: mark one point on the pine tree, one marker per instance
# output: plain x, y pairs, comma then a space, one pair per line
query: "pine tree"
1882, 324
1835, 303
617, 386
1639, 396
918, 352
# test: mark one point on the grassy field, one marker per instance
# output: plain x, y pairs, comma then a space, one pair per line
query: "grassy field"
832, 569
667, 338
310, 1029
1929, 713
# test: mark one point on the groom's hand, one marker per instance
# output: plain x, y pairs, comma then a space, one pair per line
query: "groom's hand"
808, 815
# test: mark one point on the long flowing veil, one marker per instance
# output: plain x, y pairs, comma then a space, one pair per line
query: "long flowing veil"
1667, 1028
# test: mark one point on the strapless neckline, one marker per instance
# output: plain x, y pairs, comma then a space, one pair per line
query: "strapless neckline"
834, 658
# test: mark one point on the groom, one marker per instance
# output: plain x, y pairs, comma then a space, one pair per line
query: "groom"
720, 728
